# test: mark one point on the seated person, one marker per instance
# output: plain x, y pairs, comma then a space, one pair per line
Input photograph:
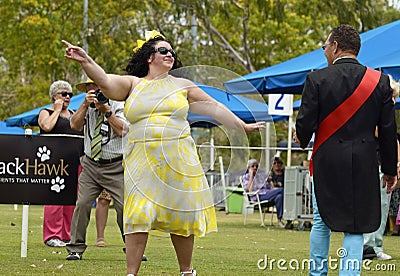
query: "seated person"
277, 173
256, 182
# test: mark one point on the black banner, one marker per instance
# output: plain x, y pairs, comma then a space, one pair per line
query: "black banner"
39, 169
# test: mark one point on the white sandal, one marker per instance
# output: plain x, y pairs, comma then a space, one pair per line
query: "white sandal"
192, 271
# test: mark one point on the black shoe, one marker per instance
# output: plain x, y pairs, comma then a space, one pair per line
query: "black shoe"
289, 225
74, 256
307, 225
144, 258
368, 253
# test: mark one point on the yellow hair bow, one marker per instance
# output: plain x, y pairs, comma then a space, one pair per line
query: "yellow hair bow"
148, 35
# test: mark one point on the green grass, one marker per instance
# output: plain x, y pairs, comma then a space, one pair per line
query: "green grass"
234, 250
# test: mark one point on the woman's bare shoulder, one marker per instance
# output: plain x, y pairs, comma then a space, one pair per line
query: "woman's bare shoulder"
182, 81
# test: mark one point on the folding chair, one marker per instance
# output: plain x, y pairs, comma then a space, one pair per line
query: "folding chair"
262, 206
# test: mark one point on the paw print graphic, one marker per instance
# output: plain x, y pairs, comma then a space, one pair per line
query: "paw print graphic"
57, 184
43, 153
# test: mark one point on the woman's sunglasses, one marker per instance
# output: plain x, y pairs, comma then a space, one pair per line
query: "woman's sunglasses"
65, 93
164, 51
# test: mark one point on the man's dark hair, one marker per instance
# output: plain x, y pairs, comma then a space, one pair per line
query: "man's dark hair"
138, 65
347, 38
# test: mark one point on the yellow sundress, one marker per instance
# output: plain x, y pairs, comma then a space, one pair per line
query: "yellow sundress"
165, 187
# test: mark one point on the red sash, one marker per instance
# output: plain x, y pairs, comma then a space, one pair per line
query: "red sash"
338, 117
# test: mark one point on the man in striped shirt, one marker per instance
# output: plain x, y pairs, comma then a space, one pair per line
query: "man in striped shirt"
104, 125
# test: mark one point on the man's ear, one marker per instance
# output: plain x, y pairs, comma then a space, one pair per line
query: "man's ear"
335, 44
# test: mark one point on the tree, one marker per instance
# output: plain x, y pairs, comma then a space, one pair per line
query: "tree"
239, 35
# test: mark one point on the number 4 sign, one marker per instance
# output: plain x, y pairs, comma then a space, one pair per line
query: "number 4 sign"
280, 104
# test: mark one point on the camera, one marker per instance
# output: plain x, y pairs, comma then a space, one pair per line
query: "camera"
100, 97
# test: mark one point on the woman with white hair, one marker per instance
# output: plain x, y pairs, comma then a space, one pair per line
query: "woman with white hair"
55, 120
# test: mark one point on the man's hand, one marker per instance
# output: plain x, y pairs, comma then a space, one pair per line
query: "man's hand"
89, 98
295, 137
102, 108
389, 181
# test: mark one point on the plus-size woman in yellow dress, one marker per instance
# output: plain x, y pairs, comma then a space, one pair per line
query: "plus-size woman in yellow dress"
166, 191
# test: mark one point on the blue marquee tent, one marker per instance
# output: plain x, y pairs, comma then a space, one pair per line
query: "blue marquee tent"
246, 109
4, 129
380, 49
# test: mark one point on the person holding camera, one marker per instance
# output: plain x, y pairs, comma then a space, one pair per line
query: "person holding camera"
105, 124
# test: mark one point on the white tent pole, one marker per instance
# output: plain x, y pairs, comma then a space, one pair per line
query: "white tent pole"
24, 236
25, 212
222, 172
267, 145
289, 139
212, 157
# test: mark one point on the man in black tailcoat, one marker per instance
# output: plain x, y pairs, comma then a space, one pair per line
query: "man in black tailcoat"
346, 194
